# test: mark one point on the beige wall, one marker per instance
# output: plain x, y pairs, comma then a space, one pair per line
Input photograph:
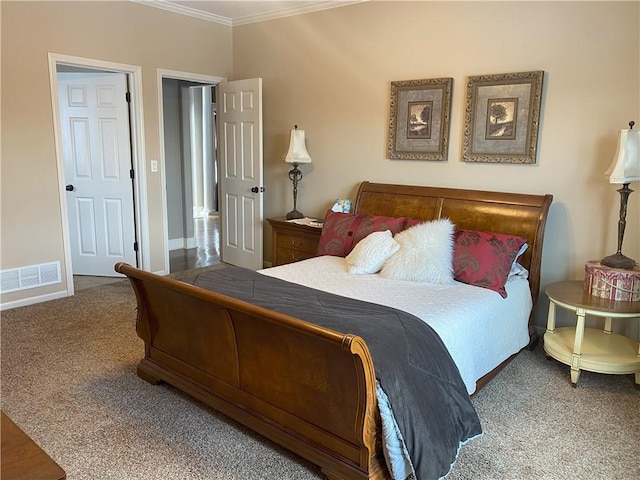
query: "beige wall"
119, 32
329, 72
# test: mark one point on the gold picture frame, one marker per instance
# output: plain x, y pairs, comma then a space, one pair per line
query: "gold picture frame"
419, 119
502, 117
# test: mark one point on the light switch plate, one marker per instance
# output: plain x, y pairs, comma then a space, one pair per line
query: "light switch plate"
154, 165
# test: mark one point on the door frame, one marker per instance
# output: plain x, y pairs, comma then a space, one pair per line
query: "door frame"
136, 126
190, 77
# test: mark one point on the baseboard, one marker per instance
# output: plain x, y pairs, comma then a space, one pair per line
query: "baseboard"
33, 300
182, 243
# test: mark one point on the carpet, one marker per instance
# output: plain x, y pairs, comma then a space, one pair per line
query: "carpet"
69, 381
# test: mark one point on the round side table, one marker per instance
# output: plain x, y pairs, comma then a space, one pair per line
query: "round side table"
590, 349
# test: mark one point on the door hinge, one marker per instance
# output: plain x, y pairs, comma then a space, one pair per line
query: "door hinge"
127, 97
132, 175
135, 246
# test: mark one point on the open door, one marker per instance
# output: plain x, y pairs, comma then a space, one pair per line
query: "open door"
241, 172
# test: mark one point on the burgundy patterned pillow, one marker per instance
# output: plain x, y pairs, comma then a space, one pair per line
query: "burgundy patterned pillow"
484, 259
342, 231
412, 222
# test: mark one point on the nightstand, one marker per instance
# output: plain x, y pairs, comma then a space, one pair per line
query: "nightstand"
293, 241
590, 349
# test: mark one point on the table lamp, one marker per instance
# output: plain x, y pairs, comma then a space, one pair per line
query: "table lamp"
297, 154
624, 169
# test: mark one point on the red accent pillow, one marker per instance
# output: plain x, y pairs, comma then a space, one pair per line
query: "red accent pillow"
412, 222
484, 259
342, 231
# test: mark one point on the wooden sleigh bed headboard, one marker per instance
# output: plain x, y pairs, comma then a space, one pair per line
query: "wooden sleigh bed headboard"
511, 213
219, 349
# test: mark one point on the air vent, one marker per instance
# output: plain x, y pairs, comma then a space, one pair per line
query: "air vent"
32, 276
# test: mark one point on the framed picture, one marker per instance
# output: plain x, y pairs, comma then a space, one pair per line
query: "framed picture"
502, 117
419, 119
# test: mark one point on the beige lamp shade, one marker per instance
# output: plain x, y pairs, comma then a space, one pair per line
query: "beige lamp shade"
625, 167
297, 149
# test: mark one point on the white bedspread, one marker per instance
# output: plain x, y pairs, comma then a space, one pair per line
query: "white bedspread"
479, 327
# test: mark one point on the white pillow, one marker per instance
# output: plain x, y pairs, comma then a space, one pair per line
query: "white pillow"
371, 252
425, 255
518, 270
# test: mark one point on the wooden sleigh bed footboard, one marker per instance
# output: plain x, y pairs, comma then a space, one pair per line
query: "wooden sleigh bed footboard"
227, 353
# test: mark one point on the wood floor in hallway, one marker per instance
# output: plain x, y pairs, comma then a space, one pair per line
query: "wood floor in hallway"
205, 253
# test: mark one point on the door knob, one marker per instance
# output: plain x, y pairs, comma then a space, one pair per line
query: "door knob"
254, 190
69, 188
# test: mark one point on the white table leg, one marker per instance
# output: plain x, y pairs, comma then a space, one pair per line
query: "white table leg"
577, 347
638, 372
607, 325
551, 318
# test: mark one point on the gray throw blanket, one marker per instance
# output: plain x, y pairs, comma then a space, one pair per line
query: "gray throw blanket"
428, 397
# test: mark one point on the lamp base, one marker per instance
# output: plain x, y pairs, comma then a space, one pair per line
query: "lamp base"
293, 214
618, 260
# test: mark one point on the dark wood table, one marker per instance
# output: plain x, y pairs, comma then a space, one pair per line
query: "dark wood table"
22, 459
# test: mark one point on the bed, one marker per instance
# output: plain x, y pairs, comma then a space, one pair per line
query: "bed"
325, 403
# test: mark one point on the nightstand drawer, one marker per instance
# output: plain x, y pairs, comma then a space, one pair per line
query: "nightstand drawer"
293, 242
297, 243
288, 255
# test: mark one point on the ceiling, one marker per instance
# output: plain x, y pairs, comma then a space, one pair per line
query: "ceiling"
239, 12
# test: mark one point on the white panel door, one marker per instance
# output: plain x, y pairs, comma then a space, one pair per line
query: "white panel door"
94, 123
241, 175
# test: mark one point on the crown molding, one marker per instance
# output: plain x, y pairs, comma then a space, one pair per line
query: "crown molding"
292, 11
247, 19
183, 10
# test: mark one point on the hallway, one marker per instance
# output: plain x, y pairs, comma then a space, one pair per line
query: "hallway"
206, 253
